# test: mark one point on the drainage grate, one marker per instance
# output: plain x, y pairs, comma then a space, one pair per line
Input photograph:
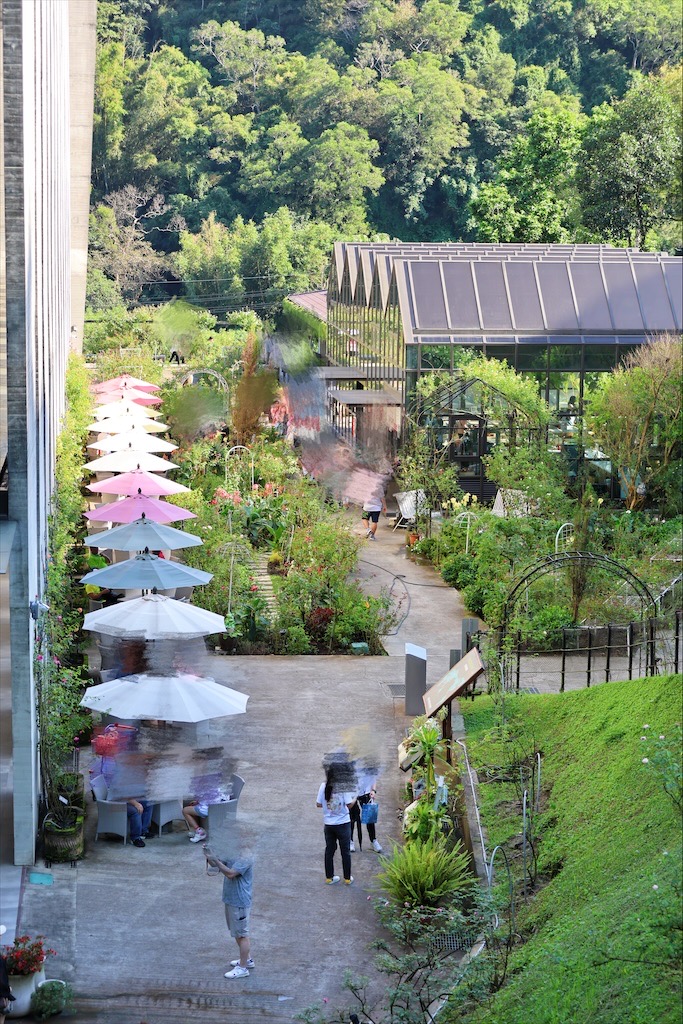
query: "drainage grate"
529, 689
397, 689
451, 942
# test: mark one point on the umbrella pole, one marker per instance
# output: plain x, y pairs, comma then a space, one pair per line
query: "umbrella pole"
232, 562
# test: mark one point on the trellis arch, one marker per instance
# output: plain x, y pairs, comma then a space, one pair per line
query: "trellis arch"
549, 563
188, 378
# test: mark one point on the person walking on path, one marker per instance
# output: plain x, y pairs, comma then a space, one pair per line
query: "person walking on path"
336, 808
373, 505
237, 896
367, 791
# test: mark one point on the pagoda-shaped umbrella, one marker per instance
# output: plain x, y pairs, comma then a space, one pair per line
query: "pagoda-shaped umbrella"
143, 533
129, 509
181, 698
104, 411
137, 440
137, 482
145, 572
122, 423
126, 381
128, 461
154, 617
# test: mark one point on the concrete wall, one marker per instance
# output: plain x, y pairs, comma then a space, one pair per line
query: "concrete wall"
37, 271
82, 50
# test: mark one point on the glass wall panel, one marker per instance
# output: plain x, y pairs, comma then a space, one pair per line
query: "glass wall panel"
600, 357
532, 357
411, 357
502, 352
565, 354
435, 357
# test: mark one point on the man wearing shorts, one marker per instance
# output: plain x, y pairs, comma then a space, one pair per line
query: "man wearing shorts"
237, 877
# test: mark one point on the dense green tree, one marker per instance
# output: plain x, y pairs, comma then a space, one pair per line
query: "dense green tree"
254, 264
629, 173
338, 173
243, 58
533, 199
169, 129
635, 415
648, 30
423, 127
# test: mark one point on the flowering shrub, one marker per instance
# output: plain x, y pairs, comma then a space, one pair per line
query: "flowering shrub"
26, 955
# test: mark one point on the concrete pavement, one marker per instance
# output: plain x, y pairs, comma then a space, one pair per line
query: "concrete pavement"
140, 933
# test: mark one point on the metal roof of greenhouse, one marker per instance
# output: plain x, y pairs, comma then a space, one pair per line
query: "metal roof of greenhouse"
535, 289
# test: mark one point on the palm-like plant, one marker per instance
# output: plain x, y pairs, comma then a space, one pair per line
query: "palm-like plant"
424, 873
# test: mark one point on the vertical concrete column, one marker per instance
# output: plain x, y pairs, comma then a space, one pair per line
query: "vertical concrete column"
416, 679
22, 459
82, 49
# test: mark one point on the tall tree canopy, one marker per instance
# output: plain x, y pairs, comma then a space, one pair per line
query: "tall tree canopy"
422, 119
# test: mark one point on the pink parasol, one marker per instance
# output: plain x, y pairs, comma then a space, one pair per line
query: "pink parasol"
129, 395
126, 381
137, 481
129, 509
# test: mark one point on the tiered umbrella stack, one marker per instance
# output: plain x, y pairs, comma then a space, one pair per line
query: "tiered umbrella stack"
128, 432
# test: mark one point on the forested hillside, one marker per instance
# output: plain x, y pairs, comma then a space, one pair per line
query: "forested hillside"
236, 139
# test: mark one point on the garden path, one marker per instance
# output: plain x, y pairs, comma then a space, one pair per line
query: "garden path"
140, 933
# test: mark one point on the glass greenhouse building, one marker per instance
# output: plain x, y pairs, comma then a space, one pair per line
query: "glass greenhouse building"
562, 314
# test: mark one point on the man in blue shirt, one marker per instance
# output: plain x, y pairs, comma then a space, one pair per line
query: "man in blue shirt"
237, 878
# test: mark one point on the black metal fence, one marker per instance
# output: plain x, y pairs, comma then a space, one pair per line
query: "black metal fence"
584, 655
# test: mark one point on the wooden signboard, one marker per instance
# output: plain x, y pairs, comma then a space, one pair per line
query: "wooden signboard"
454, 683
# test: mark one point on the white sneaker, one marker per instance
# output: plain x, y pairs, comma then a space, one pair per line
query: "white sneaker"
250, 963
348, 881
198, 836
237, 972
376, 847
352, 846
332, 881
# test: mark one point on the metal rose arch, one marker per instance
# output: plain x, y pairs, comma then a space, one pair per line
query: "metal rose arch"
552, 563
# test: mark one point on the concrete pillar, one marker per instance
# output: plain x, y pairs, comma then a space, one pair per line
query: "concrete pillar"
416, 679
82, 50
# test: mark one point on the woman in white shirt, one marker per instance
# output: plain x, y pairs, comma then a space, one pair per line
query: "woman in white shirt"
337, 823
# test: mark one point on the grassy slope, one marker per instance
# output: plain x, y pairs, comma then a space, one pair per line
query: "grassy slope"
608, 823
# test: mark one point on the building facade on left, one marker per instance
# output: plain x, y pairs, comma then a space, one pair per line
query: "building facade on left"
47, 85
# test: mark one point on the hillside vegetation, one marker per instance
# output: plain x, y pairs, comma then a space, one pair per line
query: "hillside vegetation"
602, 933
236, 139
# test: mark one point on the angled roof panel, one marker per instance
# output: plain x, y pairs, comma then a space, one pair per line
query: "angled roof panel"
493, 299
654, 298
526, 305
462, 302
673, 271
428, 297
590, 296
623, 300
558, 301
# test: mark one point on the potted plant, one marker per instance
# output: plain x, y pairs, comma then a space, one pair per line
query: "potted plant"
63, 832
51, 998
24, 961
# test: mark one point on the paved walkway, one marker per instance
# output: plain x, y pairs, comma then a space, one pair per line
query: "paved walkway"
141, 934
